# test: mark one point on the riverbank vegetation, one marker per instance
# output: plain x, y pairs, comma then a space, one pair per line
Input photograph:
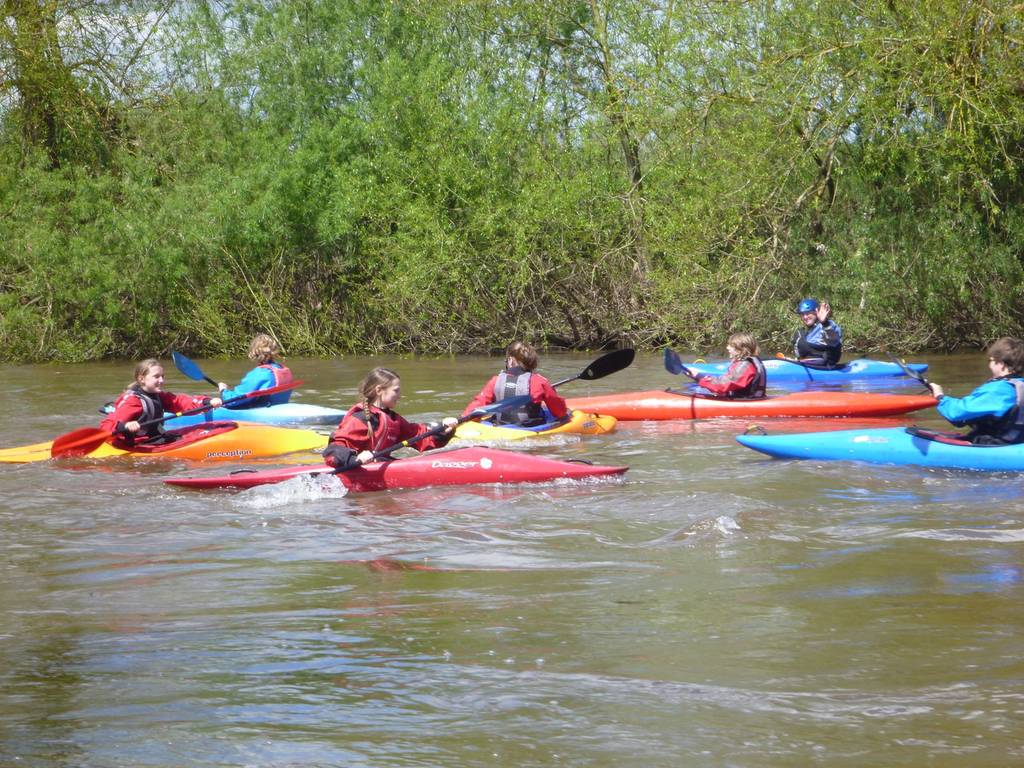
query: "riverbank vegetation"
357, 175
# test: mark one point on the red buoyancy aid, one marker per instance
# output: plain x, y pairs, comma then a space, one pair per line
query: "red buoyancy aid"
282, 375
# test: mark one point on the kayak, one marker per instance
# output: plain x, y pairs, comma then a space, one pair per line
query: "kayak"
667, 404
460, 466
224, 440
790, 370
579, 423
285, 413
890, 446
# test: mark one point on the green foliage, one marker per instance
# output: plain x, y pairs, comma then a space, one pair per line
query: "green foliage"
358, 176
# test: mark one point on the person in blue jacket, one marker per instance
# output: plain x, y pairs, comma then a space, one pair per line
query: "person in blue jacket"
820, 342
993, 410
267, 373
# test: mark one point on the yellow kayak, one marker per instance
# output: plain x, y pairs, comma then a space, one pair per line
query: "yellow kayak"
579, 423
217, 441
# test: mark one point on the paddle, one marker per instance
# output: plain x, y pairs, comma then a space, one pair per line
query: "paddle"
476, 413
613, 362
674, 364
911, 372
190, 369
87, 439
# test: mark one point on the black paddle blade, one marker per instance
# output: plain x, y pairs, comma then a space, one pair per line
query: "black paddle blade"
608, 364
604, 365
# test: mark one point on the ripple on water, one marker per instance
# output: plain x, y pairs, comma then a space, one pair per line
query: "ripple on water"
292, 491
988, 535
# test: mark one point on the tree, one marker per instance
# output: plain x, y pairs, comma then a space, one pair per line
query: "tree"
73, 68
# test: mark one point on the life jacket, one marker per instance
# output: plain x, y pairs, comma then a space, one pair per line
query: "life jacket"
282, 375
803, 350
1007, 429
756, 389
152, 408
515, 382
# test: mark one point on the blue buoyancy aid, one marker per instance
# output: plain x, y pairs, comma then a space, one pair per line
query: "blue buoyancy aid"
822, 341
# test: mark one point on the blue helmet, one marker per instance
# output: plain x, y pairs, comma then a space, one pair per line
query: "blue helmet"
807, 305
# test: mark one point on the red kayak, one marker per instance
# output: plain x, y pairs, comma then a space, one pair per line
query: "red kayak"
665, 404
462, 466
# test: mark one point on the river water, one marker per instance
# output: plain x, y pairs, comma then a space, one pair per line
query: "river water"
712, 608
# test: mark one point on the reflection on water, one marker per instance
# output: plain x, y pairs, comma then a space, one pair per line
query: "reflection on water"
710, 608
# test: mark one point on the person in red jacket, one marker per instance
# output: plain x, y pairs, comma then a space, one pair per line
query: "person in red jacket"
745, 377
520, 377
372, 424
145, 400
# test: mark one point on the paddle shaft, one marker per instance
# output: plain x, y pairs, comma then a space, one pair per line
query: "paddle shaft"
238, 399
512, 402
911, 372
476, 413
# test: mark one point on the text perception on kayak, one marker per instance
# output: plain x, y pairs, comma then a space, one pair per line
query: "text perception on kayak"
484, 463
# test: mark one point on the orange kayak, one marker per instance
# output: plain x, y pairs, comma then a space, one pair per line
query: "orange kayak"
657, 404
219, 440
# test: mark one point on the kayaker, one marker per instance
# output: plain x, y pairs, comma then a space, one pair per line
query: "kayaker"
820, 341
520, 377
267, 373
993, 410
372, 424
145, 400
745, 377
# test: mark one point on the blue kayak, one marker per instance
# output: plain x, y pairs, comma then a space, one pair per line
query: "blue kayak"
895, 445
285, 413
790, 370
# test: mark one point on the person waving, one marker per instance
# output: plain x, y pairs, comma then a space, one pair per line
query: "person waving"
820, 342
